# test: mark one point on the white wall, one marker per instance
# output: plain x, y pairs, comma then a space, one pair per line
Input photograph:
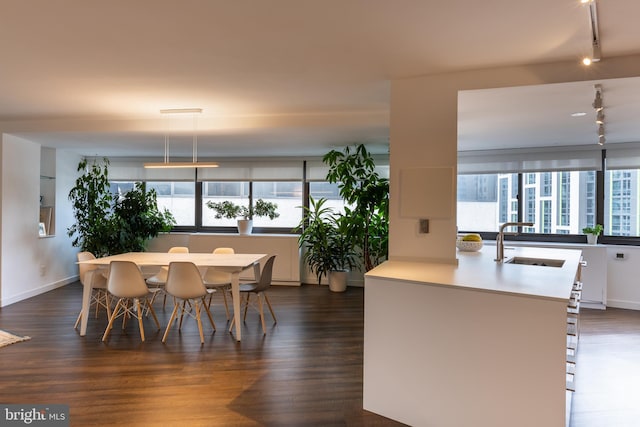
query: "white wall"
32, 265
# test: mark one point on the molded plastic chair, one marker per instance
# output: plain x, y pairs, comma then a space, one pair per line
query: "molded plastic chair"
215, 279
157, 281
184, 283
126, 283
259, 288
99, 294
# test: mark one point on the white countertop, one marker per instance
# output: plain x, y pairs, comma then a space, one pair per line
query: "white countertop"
479, 271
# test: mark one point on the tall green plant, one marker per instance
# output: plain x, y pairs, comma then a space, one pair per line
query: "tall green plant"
367, 196
91, 203
137, 219
107, 224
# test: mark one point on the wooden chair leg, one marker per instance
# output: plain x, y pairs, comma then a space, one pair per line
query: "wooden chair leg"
226, 304
140, 325
206, 307
199, 322
111, 319
261, 310
184, 304
78, 320
125, 315
107, 303
152, 311
246, 307
176, 306
266, 298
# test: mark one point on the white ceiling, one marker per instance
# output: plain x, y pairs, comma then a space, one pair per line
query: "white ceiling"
288, 77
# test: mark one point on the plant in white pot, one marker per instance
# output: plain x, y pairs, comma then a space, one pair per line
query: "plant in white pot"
327, 248
245, 214
593, 233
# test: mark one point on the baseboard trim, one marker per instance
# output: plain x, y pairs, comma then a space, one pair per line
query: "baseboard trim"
629, 305
38, 291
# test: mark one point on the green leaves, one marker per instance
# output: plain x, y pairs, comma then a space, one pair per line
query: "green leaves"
368, 195
107, 224
325, 238
230, 210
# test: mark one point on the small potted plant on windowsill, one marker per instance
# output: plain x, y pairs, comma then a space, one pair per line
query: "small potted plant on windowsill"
593, 233
230, 210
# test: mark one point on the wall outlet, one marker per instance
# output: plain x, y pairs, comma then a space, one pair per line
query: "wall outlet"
424, 226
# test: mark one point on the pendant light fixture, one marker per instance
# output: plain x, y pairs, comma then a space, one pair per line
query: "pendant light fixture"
166, 163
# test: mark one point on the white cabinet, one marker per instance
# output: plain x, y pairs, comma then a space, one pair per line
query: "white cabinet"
286, 269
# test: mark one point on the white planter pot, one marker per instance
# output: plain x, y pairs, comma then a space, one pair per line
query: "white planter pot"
338, 280
245, 226
592, 239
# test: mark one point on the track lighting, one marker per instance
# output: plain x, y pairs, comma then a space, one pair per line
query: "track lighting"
598, 106
596, 52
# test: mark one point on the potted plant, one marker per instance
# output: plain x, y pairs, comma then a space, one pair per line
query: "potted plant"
230, 210
593, 233
367, 197
108, 224
327, 248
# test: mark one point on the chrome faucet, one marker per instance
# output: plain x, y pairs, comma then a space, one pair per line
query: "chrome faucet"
500, 237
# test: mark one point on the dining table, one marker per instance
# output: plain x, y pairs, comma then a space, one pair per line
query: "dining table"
234, 264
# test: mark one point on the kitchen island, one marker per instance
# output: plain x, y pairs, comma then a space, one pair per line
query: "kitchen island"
479, 343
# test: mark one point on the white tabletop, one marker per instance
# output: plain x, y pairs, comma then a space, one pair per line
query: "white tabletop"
234, 261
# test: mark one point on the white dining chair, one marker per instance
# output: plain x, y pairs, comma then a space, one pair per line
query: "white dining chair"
157, 281
125, 282
260, 289
99, 294
184, 284
213, 278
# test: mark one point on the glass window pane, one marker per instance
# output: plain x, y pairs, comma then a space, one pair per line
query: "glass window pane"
621, 203
329, 191
287, 195
486, 200
556, 202
236, 192
181, 204
179, 198
559, 202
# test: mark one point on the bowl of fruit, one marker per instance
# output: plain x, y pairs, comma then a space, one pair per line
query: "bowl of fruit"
469, 242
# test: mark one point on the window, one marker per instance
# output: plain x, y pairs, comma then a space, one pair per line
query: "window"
177, 197
556, 202
236, 192
483, 201
287, 195
329, 191
621, 203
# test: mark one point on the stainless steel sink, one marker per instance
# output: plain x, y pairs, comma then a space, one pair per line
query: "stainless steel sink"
542, 262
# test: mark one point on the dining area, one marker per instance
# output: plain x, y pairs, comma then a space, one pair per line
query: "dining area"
129, 285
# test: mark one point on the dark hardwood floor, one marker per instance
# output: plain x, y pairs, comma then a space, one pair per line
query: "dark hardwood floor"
306, 371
